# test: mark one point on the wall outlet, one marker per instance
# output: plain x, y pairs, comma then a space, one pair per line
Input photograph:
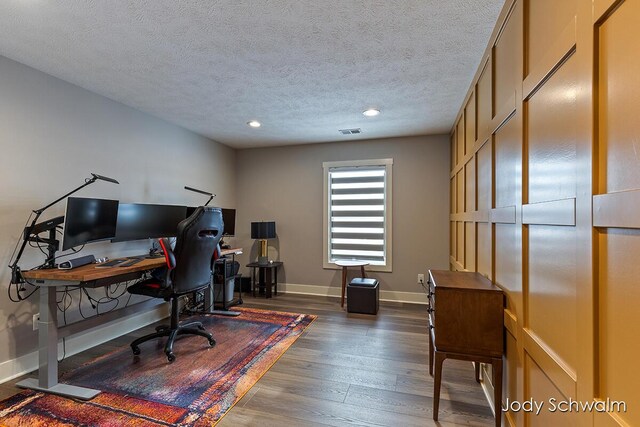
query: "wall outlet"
421, 279
36, 320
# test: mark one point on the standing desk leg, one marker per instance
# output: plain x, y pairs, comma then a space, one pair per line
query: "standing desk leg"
209, 299
47, 381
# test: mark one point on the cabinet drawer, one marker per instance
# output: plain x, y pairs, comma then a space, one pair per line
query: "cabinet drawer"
469, 314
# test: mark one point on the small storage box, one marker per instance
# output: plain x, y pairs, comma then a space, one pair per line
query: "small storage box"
363, 296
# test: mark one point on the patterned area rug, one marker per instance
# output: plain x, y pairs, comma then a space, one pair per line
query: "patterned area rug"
196, 390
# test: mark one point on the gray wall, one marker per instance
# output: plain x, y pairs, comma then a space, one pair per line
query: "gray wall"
285, 184
52, 135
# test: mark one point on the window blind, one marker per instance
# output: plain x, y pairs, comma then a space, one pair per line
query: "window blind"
357, 214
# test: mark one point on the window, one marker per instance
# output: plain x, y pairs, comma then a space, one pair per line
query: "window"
357, 212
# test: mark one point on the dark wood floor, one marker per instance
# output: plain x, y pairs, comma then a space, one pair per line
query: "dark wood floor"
345, 369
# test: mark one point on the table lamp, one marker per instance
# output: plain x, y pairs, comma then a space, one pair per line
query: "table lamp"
263, 230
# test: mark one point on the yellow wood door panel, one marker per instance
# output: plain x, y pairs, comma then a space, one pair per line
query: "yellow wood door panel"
453, 151
470, 246
552, 124
618, 54
484, 248
460, 191
470, 185
552, 312
619, 319
453, 198
508, 271
483, 186
460, 243
508, 164
507, 55
484, 102
452, 238
618, 210
470, 124
548, 398
547, 20
460, 140
618, 169
511, 386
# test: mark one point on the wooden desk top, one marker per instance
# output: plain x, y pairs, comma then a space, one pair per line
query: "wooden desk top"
231, 251
91, 272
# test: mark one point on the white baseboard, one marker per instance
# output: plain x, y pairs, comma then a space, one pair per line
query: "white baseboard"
328, 291
14, 368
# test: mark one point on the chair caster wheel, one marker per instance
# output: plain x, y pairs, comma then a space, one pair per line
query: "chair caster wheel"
171, 357
212, 342
136, 351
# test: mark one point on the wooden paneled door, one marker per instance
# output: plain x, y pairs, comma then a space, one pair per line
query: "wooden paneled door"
546, 189
616, 208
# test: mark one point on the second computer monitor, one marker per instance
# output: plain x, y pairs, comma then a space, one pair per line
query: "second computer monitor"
229, 219
138, 221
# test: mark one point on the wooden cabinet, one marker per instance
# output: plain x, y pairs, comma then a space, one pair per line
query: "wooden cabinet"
466, 323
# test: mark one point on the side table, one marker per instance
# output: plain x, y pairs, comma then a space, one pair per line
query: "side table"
347, 263
267, 276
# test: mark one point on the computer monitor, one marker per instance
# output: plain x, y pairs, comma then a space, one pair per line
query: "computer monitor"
89, 220
228, 218
137, 221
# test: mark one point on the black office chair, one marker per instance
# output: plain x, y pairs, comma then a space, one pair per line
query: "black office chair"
188, 270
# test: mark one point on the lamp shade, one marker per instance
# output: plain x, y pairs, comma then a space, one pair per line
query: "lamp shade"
263, 230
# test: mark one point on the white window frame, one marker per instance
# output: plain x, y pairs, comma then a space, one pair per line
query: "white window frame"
388, 164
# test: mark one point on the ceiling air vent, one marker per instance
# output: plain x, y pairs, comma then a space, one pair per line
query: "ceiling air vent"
350, 131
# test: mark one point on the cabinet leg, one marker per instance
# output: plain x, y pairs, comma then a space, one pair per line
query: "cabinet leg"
477, 365
430, 353
497, 389
439, 359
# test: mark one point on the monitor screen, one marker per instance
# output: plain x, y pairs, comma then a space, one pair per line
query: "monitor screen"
89, 220
138, 221
228, 218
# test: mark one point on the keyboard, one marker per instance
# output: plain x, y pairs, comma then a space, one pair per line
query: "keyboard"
130, 262
111, 263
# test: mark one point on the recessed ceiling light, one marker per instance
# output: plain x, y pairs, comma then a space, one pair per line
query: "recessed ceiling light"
371, 112
254, 124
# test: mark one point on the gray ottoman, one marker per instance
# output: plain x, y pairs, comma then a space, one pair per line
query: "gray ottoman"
363, 296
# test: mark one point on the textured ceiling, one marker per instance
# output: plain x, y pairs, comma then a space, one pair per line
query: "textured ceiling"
304, 68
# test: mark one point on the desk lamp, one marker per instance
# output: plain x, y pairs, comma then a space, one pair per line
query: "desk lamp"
30, 233
206, 193
262, 231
